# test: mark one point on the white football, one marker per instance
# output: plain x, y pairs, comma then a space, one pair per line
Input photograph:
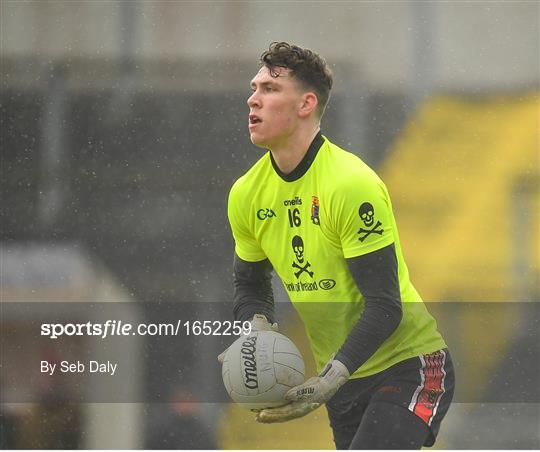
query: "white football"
258, 369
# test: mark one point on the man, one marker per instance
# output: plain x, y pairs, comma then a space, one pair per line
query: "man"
322, 219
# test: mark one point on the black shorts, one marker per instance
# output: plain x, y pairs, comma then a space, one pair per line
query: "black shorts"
423, 385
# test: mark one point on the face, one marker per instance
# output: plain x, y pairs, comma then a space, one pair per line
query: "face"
274, 108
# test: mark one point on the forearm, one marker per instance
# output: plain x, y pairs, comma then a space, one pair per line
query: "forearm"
376, 324
253, 289
376, 276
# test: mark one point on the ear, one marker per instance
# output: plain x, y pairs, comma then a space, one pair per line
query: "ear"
308, 105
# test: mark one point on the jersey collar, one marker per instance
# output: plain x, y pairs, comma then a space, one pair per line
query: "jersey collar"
306, 162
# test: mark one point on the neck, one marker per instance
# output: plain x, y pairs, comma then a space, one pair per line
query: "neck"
288, 155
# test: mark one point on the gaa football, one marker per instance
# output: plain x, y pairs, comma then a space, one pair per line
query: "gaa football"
258, 369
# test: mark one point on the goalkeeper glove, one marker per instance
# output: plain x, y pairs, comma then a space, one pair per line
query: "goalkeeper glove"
258, 323
308, 396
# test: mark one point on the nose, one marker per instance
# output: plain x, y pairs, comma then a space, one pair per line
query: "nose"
253, 100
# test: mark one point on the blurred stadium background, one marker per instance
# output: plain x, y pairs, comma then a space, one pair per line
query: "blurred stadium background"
123, 126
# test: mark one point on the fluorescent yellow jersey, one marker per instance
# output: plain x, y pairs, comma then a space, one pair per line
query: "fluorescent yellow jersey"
331, 208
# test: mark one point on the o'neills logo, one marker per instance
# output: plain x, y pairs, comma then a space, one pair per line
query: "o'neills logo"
297, 201
250, 364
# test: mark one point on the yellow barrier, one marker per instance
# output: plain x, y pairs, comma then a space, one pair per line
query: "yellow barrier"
453, 177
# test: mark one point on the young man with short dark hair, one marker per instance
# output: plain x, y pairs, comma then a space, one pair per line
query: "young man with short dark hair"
323, 220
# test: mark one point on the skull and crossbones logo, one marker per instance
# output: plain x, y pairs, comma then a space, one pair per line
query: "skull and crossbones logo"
367, 215
298, 249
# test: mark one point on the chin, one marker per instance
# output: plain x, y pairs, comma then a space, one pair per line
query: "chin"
257, 140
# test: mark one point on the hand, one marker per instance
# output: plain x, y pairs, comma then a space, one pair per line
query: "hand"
221, 356
309, 395
258, 323
285, 413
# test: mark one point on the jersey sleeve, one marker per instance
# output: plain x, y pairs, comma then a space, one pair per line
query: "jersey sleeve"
363, 215
246, 246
